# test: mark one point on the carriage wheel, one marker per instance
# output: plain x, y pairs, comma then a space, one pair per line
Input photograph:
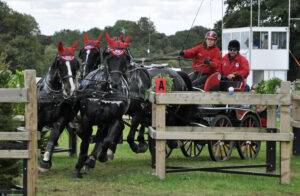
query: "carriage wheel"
192, 148
220, 150
249, 149
168, 150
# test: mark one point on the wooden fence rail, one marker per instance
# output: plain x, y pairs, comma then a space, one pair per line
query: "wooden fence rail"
29, 96
160, 132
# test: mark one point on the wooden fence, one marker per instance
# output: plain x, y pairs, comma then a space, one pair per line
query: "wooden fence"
160, 132
29, 135
296, 118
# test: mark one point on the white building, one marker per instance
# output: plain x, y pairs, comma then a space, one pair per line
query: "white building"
266, 49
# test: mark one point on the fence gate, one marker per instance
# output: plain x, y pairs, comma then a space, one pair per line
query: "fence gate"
28, 135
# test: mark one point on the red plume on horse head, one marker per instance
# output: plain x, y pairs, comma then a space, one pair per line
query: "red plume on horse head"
66, 51
91, 43
122, 43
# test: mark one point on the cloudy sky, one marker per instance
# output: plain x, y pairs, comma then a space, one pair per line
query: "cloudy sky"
168, 16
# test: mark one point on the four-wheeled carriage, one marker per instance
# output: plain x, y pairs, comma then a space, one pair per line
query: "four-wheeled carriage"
222, 116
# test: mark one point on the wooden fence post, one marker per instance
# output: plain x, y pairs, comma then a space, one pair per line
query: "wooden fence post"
159, 116
31, 126
285, 147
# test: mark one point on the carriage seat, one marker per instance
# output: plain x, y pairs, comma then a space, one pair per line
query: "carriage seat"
214, 82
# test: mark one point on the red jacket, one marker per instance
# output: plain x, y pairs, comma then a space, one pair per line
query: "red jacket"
239, 65
199, 53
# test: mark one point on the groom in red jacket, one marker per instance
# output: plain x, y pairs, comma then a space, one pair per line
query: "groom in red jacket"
206, 59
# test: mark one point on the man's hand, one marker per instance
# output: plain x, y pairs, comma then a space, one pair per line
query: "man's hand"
181, 53
206, 61
230, 76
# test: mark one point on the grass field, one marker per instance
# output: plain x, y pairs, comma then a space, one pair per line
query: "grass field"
131, 174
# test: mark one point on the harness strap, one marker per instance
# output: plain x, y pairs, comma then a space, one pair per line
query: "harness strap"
295, 59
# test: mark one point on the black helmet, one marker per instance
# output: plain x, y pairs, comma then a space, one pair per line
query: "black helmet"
234, 44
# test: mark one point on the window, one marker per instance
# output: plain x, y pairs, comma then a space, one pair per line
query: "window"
278, 40
260, 40
225, 40
245, 40
236, 36
258, 76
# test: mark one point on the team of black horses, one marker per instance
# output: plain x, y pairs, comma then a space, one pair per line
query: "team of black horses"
97, 89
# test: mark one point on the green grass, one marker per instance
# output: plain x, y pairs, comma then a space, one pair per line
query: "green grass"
131, 174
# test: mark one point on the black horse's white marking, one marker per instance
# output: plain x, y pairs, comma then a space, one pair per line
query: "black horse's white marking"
89, 55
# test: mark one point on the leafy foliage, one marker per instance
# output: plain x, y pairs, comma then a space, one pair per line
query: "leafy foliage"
9, 169
268, 86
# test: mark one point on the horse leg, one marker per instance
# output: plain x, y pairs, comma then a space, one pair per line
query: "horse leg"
152, 148
72, 140
100, 135
117, 137
135, 121
101, 151
143, 146
84, 146
58, 127
110, 141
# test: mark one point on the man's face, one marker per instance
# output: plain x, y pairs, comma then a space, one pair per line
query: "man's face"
210, 42
233, 52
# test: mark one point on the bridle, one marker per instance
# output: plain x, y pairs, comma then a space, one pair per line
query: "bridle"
112, 54
66, 77
83, 65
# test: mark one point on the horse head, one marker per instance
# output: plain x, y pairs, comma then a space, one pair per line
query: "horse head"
65, 67
116, 58
89, 55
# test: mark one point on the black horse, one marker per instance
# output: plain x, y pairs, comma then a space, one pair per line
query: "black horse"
140, 107
90, 59
139, 85
89, 56
103, 102
56, 105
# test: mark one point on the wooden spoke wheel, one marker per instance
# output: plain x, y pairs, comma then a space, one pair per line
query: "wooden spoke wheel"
191, 148
249, 149
220, 150
168, 151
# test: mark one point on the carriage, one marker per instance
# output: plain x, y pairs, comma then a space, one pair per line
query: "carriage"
221, 116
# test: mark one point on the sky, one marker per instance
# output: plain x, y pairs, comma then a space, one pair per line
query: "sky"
168, 16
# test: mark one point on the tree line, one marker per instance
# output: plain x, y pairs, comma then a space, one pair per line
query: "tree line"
23, 45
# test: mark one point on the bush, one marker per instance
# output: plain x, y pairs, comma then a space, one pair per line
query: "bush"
9, 169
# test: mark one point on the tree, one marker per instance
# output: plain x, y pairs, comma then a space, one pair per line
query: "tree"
19, 39
9, 169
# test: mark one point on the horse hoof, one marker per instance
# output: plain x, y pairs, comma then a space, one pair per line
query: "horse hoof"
134, 147
45, 166
90, 163
42, 170
103, 157
78, 174
110, 154
153, 165
143, 147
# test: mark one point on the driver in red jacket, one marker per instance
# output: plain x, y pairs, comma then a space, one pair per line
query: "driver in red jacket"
206, 59
234, 68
